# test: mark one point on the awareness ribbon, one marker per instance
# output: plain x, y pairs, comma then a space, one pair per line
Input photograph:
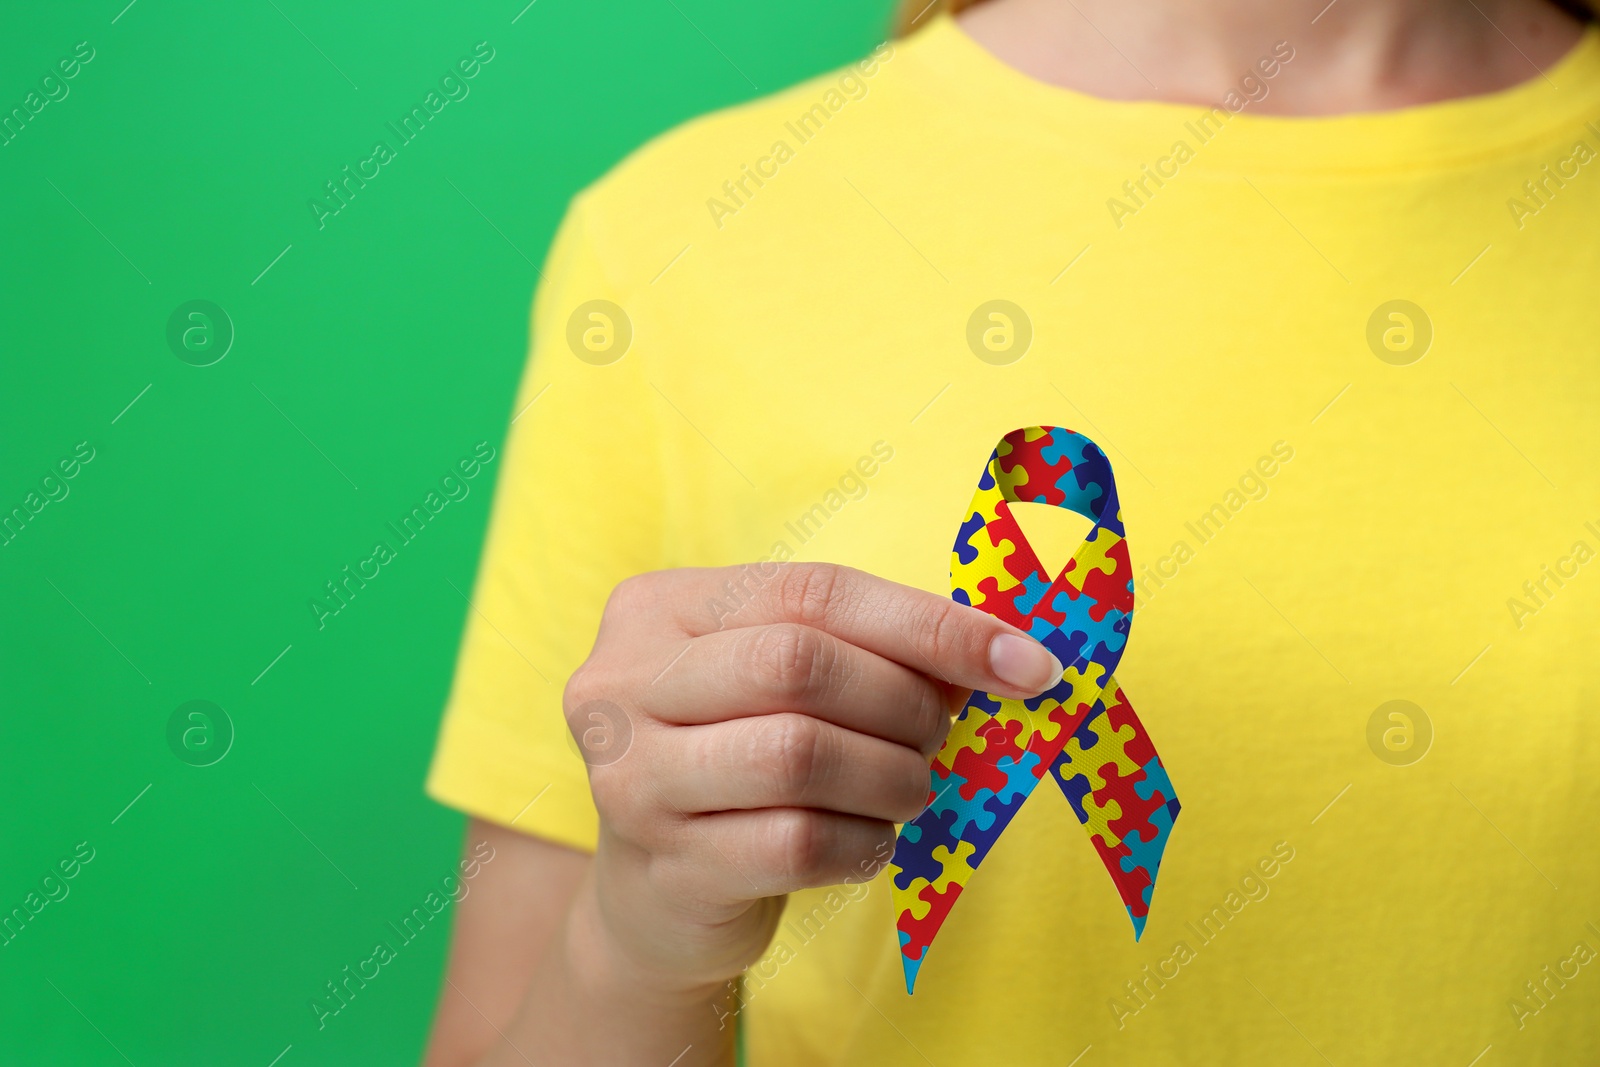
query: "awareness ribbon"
1082, 730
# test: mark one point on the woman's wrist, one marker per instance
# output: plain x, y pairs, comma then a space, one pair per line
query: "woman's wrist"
662, 1009
609, 953
676, 942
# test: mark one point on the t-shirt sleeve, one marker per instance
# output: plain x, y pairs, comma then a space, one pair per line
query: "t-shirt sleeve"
577, 509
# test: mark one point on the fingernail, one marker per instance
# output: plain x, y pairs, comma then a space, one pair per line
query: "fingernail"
1024, 663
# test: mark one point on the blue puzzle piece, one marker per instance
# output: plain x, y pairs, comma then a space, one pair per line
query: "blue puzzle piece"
972, 526
1061, 447
1088, 732
981, 702
924, 833
1066, 645
983, 838
1034, 589
1155, 779
1147, 854
1074, 788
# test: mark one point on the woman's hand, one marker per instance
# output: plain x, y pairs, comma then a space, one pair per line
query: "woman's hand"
778, 722
749, 731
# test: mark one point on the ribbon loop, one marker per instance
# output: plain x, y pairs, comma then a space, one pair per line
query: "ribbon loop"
1082, 731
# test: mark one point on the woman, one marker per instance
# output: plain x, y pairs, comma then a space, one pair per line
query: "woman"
1318, 277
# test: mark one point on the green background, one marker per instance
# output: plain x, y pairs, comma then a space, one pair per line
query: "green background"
369, 357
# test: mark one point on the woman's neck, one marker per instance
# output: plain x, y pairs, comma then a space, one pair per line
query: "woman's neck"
1350, 55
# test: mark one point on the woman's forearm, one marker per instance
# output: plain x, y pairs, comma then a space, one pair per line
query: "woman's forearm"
589, 1003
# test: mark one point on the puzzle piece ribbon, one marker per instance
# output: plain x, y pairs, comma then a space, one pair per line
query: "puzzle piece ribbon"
1082, 731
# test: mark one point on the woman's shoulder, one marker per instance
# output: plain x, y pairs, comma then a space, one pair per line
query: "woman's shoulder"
794, 116
694, 180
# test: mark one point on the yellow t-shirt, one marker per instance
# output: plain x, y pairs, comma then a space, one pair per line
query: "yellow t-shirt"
1348, 373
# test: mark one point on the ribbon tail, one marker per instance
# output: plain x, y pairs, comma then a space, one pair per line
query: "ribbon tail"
1118, 788
972, 798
